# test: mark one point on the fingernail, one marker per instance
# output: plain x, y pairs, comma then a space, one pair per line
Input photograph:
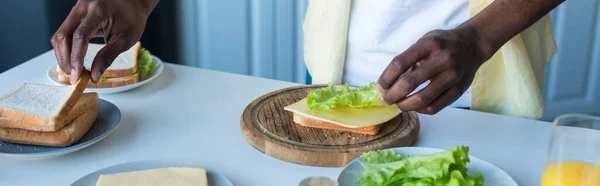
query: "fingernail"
383, 101
380, 88
73, 77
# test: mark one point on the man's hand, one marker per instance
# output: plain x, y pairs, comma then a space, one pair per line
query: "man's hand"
448, 58
121, 23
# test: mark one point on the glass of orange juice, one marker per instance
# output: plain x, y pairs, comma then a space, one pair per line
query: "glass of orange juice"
574, 152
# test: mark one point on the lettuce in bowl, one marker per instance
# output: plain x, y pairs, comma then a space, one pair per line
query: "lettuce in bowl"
389, 168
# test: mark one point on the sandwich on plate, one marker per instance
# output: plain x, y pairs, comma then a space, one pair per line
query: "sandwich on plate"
47, 115
130, 67
344, 108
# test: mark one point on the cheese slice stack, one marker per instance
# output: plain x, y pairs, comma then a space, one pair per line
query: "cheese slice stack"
171, 176
347, 116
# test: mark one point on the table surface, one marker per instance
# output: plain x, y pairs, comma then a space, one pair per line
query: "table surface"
192, 113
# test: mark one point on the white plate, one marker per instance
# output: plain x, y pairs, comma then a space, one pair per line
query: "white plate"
53, 76
492, 175
214, 178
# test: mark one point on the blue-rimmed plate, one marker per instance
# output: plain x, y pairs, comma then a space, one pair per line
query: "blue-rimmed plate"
107, 120
493, 176
214, 178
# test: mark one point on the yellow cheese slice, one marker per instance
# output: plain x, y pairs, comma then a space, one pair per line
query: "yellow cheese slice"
171, 176
347, 116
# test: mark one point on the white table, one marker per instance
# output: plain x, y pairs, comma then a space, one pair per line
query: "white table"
202, 122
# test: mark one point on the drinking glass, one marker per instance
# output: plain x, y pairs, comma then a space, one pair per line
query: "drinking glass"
574, 152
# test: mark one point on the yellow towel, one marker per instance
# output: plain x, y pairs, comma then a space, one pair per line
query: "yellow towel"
510, 83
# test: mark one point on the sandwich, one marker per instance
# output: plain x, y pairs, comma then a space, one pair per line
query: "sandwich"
130, 67
47, 115
343, 108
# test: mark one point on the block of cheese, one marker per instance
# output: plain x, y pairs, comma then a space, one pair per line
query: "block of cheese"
347, 116
171, 176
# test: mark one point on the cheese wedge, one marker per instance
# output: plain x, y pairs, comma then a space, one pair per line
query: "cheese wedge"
171, 176
347, 116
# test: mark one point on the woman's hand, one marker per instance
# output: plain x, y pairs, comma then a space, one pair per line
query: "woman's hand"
121, 23
448, 58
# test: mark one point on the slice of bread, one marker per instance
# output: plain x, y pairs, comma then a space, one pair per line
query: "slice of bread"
60, 71
66, 136
43, 107
106, 83
357, 120
314, 123
124, 65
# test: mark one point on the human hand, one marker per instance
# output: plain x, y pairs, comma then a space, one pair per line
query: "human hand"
121, 23
448, 58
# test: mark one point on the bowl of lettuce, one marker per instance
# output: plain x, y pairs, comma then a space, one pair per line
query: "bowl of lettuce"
419, 166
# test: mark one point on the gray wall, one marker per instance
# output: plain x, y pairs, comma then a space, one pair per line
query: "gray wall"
23, 31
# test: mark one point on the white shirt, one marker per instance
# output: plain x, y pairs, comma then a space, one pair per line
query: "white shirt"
381, 29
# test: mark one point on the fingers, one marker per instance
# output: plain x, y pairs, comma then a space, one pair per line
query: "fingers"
81, 38
62, 39
447, 98
409, 81
401, 64
439, 84
104, 58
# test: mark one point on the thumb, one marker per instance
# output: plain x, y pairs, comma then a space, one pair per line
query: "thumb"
107, 55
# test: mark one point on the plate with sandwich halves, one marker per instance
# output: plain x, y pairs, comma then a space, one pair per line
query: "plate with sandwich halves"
422, 166
45, 121
155, 172
131, 69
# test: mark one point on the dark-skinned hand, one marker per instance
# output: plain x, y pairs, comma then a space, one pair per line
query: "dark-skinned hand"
448, 58
120, 22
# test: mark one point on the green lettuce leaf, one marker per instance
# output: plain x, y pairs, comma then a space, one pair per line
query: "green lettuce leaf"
446, 168
145, 64
328, 98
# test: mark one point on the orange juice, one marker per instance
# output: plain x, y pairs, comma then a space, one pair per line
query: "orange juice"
571, 173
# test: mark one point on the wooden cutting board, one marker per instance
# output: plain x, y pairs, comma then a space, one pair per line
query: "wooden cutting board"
270, 129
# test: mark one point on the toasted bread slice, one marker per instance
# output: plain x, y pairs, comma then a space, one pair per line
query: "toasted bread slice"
314, 123
106, 83
124, 65
41, 107
66, 136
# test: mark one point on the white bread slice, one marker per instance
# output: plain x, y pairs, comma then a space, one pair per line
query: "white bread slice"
315, 123
60, 71
42, 107
106, 83
124, 65
66, 136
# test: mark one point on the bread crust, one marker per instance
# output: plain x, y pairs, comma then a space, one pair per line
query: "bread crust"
109, 83
66, 136
314, 123
20, 120
108, 73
